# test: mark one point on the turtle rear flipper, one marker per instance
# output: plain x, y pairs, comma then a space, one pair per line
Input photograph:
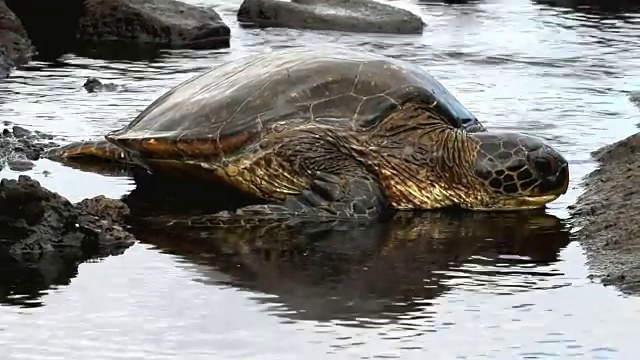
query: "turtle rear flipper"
329, 198
91, 150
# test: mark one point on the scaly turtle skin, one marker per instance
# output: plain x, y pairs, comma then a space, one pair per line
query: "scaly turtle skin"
333, 134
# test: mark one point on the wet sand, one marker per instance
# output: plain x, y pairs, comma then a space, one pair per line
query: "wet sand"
606, 215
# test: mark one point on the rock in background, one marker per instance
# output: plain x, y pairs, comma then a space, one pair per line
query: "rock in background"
97, 28
15, 46
51, 25
339, 15
170, 23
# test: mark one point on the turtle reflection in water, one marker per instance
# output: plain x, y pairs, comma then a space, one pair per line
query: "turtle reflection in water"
385, 270
334, 134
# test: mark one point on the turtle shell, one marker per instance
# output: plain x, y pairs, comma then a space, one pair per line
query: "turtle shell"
223, 110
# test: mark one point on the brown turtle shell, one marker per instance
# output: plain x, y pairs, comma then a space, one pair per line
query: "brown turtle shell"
222, 111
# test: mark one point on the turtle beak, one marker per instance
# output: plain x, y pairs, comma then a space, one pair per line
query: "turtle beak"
554, 175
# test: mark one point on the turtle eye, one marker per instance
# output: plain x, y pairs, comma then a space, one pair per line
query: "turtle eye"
544, 166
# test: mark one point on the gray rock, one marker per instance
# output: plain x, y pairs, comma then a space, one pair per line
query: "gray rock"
634, 97
94, 84
340, 15
19, 132
20, 163
51, 25
170, 23
15, 46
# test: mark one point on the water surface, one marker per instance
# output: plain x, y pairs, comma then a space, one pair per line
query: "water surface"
437, 286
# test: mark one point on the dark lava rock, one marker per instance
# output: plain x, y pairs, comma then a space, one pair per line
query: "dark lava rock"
15, 46
51, 25
607, 214
19, 147
340, 15
118, 29
33, 218
107, 209
36, 220
94, 85
171, 23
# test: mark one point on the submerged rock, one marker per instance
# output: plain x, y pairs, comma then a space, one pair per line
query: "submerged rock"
19, 147
607, 214
36, 220
634, 97
340, 15
94, 85
170, 23
15, 46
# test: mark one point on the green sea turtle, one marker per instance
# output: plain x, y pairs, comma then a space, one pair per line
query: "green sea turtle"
333, 134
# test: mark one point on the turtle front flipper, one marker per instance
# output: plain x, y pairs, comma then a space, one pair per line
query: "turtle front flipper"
329, 198
101, 150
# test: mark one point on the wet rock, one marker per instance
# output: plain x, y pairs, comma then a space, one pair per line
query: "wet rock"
94, 85
105, 208
19, 147
606, 214
118, 29
36, 220
339, 15
15, 46
634, 97
20, 163
20, 132
171, 23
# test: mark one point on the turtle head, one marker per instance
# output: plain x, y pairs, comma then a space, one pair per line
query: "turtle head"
516, 171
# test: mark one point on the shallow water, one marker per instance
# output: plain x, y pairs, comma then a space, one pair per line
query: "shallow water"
438, 286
